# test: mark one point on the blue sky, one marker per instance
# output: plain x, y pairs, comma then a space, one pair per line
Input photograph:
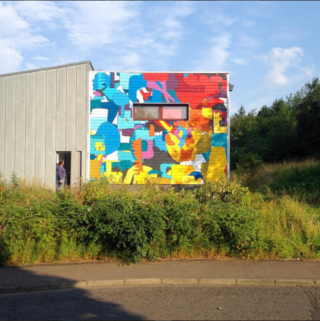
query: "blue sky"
271, 49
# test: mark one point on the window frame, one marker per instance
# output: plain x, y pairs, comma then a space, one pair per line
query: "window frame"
161, 105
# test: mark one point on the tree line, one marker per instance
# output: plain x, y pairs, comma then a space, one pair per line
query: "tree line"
288, 129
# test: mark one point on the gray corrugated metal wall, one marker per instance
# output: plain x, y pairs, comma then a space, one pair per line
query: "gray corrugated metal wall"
41, 112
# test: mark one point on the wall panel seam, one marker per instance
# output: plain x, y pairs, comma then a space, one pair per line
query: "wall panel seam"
76, 118
45, 130
88, 126
66, 112
25, 125
5, 126
35, 123
15, 123
56, 115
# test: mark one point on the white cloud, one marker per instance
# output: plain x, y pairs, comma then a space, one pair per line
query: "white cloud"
247, 23
239, 61
127, 35
280, 60
217, 18
308, 71
10, 59
259, 9
16, 35
217, 54
168, 28
132, 59
31, 66
247, 41
11, 23
38, 10
94, 24
257, 104
40, 58
126, 32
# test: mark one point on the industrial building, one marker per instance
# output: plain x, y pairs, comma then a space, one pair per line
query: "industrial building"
129, 127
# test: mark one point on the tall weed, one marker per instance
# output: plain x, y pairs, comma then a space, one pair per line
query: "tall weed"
101, 220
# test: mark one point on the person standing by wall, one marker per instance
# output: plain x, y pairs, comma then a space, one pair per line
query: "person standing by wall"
61, 175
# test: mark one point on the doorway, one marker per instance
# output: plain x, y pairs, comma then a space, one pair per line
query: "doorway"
66, 157
72, 165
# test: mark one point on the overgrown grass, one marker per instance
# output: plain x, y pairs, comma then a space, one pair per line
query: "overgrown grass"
102, 221
290, 229
300, 180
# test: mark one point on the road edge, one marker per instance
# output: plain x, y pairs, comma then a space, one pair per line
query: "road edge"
159, 281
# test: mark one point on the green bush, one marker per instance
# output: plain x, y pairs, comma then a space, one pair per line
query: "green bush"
104, 221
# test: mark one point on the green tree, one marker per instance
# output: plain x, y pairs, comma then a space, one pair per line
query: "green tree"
288, 129
308, 119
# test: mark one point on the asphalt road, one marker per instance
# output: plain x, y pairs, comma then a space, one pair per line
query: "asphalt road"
165, 303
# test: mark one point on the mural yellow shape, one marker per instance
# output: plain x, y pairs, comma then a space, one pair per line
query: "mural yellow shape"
196, 135
160, 180
178, 171
190, 180
165, 125
114, 177
99, 146
173, 147
140, 178
217, 128
204, 143
95, 168
214, 169
207, 112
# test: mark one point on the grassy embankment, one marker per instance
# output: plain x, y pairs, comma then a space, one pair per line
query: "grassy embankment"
279, 218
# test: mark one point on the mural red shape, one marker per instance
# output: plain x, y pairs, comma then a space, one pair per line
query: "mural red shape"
195, 88
185, 155
147, 94
156, 76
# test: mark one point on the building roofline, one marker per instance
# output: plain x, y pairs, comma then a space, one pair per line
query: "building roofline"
48, 68
167, 72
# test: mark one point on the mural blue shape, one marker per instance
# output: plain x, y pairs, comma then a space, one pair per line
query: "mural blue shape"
135, 83
154, 171
164, 168
112, 110
126, 122
109, 92
111, 136
196, 175
101, 81
125, 79
123, 165
96, 139
160, 143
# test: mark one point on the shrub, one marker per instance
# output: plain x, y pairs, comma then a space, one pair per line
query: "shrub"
104, 221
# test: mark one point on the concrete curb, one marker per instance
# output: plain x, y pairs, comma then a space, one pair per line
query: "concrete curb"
160, 281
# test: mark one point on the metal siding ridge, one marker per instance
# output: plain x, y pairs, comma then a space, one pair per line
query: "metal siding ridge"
41, 99
51, 99
61, 109
48, 68
2, 123
163, 72
71, 108
10, 126
30, 126
20, 140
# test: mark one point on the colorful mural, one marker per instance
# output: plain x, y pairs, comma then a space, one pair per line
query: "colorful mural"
167, 151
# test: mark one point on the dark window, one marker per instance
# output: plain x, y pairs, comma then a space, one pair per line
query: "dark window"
160, 111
